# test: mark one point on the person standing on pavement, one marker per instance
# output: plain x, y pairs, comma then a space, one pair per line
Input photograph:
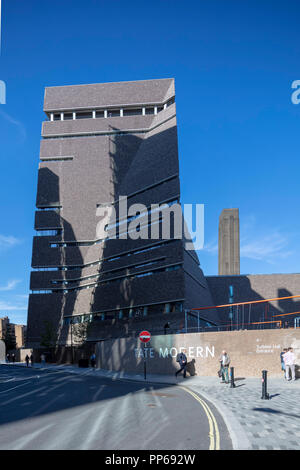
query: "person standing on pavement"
166, 327
289, 360
282, 360
27, 360
31, 359
13, 357
224, 360
43, 359
93, 360
182, 359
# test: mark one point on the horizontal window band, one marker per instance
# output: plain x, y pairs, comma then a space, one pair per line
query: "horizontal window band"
48, 208
54, 290
149, 211
45, 232
145, 222
109, 106
117, 278
128, 307
134, 313
146, 188
120, 236
132, 266
105, 133
55, 159
48, 228
116, 256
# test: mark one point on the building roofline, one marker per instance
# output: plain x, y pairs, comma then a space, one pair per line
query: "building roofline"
110, 83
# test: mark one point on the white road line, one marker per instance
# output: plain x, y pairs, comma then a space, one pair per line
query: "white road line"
18, 386
49, 403
117, 422
19, 397
96, 395
164, 421
25, 440
93, 433
67, 431
64, 382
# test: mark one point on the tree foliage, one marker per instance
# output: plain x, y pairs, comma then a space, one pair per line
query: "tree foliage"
49, 335
9, 340
80, 332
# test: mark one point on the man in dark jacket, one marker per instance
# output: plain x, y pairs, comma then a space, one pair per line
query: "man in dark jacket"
182, 359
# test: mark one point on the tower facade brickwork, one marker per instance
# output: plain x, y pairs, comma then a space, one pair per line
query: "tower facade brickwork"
229, 242
99, 143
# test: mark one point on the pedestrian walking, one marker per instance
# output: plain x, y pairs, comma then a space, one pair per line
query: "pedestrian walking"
31, 360
8, 357
182, 359
27, 360
93, 360
289, 361
13, 357
224, 360
282, 360
43, 359
166, 327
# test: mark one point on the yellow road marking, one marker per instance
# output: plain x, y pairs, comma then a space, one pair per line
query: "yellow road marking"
214, 434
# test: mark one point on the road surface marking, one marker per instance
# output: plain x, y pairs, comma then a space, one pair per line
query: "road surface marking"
22, 385
25, 440
99, 391
214, 434
49, 403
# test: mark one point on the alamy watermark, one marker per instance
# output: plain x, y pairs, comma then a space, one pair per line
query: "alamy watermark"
296, 94
2, 92
2, 83
159, 221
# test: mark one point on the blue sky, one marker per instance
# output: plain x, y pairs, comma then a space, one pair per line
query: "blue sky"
233, 62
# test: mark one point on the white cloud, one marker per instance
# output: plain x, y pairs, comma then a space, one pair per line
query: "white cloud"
268, 248
211, 247
7, 306
20, 126
258, 244
10, 285
8, 241
263, 245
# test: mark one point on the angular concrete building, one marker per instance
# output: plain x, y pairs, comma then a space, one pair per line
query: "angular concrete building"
229, 242
99, 143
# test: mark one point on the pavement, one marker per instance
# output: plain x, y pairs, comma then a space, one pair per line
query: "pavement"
253, 423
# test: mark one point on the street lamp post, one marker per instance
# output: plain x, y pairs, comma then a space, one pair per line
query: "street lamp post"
72, 350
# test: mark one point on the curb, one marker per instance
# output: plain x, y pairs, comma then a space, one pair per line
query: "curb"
237, 434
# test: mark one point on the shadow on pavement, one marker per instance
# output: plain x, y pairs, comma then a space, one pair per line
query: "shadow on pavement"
36, 392
272, 411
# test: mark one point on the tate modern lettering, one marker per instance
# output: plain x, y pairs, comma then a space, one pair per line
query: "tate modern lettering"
192, 352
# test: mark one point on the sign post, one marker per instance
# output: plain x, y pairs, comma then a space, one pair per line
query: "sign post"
145, 337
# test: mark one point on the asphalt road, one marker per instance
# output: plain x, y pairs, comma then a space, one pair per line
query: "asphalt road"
49, 410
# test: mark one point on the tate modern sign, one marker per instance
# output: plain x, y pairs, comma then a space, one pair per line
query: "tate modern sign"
192, 352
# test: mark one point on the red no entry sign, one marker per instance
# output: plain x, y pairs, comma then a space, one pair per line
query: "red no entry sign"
145, 336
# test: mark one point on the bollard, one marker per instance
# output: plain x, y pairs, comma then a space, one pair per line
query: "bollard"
265, 395
232, 384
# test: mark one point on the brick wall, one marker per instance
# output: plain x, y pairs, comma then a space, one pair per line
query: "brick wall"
250, 352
